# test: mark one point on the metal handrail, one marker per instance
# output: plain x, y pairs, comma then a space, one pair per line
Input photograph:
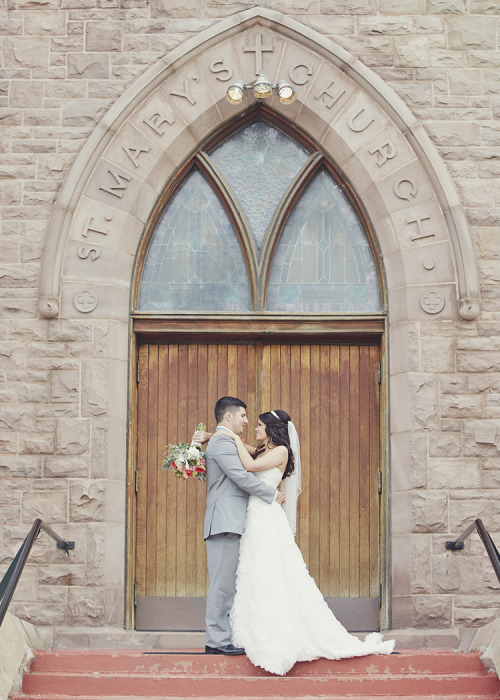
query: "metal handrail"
486, 539
10, 580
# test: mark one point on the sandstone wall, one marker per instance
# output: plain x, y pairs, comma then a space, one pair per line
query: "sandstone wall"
65, 62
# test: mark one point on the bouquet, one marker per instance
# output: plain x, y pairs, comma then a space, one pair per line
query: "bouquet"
186, 460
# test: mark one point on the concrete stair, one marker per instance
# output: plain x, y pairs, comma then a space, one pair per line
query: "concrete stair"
124, 674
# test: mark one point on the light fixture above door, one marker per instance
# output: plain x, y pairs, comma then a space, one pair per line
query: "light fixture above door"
262, 89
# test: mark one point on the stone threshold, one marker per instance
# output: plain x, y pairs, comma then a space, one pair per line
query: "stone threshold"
118, 638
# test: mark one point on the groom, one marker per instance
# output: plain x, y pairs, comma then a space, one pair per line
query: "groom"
228, 487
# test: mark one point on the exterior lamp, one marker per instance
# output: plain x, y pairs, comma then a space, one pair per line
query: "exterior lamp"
286, 93
262, 89
235, 92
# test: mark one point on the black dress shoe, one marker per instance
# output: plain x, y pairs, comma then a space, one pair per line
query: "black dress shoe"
228, 650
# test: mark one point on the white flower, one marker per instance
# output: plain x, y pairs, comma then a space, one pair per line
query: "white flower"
193, 453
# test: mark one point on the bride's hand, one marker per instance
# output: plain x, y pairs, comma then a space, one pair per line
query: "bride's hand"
230, 434
201, 436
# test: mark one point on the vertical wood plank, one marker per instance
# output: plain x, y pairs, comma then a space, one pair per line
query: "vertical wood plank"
212, 385
191, 486
354, 437
304, 359
275, 378
285, 400
152, 471
161, 497
232, 371
295, 401
316, 481
374, 402
266, 380
252, 392
181, 491
364, 471
203, 410
334, 471
242, 373
344, 445
323, 467
172, 392
142, 460
222, 371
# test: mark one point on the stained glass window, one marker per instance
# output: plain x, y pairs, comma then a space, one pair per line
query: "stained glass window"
323, 262
259, 163
194, 261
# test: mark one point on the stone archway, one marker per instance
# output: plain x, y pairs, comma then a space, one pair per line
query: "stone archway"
104, 207
355, 117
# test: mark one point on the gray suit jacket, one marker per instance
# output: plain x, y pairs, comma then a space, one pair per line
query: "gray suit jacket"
228, 487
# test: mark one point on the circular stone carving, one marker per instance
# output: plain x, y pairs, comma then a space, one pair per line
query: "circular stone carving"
432, 302
429, 264
85, 302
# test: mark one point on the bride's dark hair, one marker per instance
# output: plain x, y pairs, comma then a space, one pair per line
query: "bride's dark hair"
277, 432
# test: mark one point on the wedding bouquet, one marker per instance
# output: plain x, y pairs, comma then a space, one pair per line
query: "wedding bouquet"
186, 460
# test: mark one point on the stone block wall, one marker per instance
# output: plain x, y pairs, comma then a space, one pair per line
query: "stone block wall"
63, 383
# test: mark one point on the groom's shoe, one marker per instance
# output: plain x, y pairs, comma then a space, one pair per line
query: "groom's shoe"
228, 650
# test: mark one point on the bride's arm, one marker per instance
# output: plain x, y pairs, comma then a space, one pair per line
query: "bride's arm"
202, 436
277, 457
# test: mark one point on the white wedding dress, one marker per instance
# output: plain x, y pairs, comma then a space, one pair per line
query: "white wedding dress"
279, 615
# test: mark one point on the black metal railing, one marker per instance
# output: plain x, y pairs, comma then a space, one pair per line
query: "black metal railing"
486, 539
10, 580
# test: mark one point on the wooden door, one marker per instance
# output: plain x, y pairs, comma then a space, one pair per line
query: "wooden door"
332, 393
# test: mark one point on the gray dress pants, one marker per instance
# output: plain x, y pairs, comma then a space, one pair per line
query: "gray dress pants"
222, 554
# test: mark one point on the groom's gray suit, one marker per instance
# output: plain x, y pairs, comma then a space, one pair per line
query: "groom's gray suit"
228, 487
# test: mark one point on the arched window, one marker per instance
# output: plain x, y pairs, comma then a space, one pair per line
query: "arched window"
323, 261
259, 223
194, 261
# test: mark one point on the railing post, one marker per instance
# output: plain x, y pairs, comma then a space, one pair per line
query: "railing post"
11, 578
18, 568
488, 543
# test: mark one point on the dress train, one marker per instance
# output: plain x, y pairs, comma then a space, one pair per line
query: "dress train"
279, 615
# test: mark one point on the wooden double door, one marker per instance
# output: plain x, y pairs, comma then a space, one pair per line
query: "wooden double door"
332, 394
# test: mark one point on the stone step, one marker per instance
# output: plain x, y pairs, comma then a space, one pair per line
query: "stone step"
197, 662
473, 696
149, 674
119, 638
109, 685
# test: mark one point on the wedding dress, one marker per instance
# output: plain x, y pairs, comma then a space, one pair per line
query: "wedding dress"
279, 615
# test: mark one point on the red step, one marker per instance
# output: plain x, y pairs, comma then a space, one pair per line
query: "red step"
125, 675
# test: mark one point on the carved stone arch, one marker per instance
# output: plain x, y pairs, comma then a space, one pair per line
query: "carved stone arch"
360, 122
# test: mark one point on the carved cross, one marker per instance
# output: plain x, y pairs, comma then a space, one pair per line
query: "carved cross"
259, 49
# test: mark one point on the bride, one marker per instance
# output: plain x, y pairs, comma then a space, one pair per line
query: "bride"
279, 615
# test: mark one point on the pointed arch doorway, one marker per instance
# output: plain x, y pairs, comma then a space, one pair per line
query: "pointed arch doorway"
260, 282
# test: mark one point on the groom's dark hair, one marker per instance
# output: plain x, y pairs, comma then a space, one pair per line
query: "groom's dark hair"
227, 403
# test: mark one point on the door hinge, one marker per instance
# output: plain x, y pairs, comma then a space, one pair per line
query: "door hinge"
379, 373
138, 373
379, 595
379, 481
137, 481
135, 595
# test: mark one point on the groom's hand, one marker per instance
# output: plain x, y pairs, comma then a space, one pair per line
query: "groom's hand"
280, 498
